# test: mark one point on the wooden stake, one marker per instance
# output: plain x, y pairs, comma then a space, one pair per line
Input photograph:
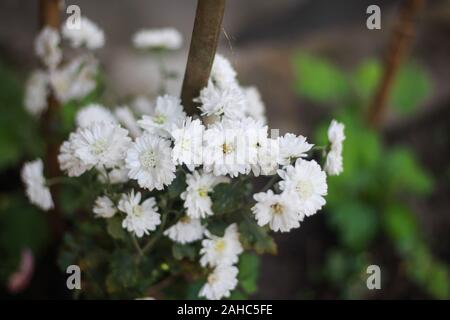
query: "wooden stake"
49, 15
205, 37
399, 45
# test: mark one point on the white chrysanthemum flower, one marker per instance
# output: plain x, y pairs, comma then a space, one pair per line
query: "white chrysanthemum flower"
186, 230
276, 210
336, 134
228, 102
168, 113
222, 72
166, 38
221, 251
101, 144
69, 161
292, 147
220, 283
92, 113
306, 184
36, 93
255, 107
88, 34
226, 149
188, 143
196, 197
47, 47
150, 162
75, 80
334, 162
141, 218
127, 119
268, 155
104, 207
37, 191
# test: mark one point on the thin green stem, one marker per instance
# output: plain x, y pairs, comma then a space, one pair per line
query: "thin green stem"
157, 235
62, 180
137, 246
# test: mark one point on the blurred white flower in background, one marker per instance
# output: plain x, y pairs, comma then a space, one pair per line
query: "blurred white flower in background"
35, 185
93, 113
165, 38
336, 137
47, 47
88, 35
36, 92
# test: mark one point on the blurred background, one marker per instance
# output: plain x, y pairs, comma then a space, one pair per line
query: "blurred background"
312, 61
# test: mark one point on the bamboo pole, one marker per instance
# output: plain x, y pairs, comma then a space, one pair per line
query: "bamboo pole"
205, 37
398, 47
49, 15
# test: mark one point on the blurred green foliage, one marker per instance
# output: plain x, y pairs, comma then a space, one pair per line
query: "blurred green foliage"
369, 201
21, 226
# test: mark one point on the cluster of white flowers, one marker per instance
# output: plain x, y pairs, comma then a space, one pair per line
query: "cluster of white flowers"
144, 154
220, 253
73, 80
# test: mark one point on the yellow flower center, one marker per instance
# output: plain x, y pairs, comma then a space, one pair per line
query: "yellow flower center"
202, 192
227, 148
159, 119
220, 245
185, 219
277, 208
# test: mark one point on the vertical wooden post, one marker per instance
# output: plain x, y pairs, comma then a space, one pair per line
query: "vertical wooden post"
205, 37
398, 47
49, 15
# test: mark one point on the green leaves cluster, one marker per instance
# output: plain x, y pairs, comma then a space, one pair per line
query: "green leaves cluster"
368, 201
319, 80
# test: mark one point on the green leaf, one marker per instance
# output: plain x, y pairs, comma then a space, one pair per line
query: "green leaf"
411, 88
249, 272
356, 224
21, 226
115, 229
177, 186
254, 236
366, 78
182, 251
319, 80
401, 226
229, 197
403, 173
